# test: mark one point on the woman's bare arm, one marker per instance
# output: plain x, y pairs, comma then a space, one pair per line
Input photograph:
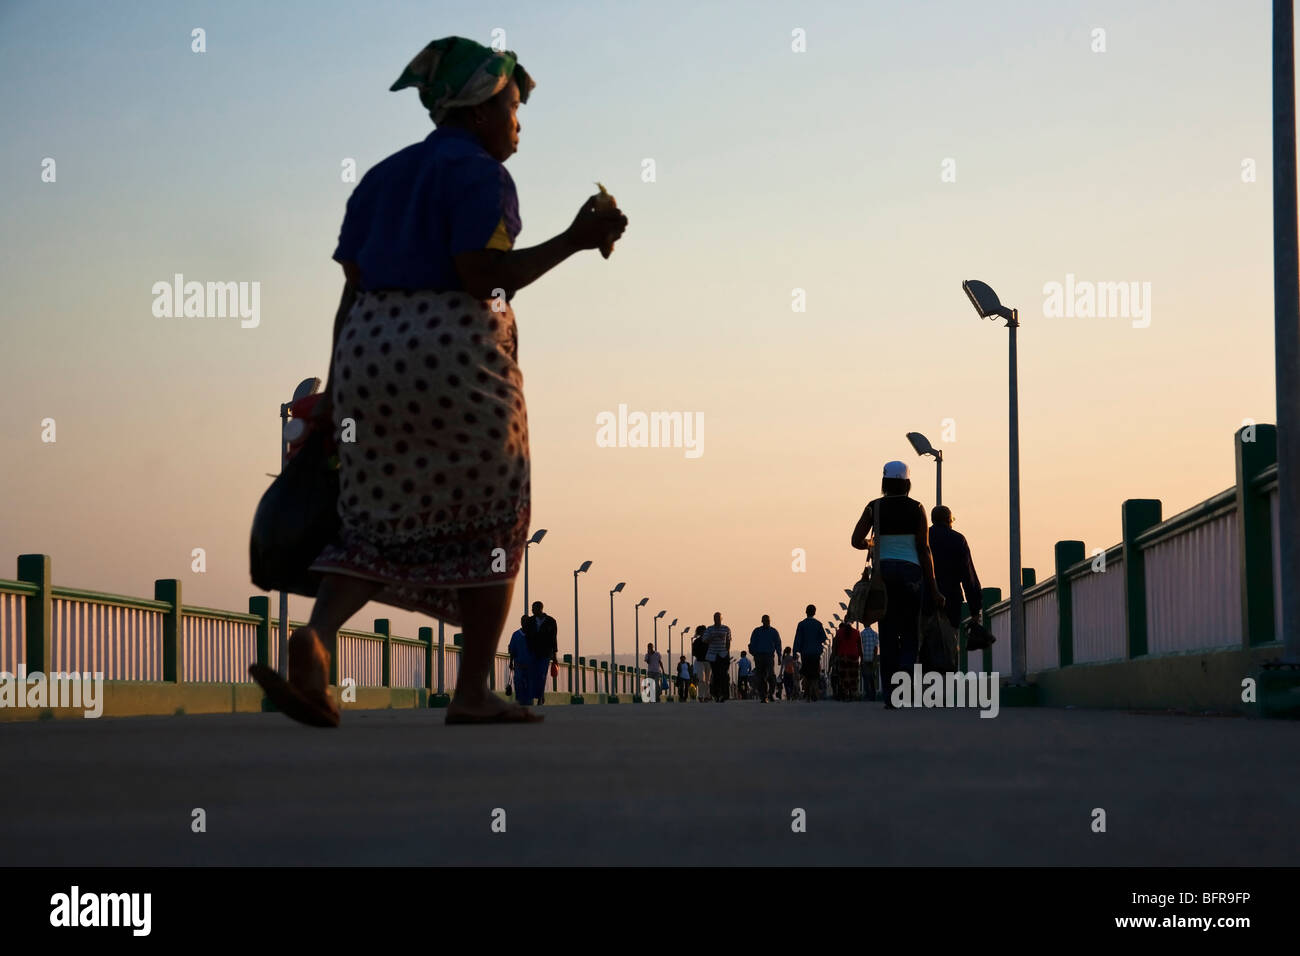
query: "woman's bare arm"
483, 271
859, 539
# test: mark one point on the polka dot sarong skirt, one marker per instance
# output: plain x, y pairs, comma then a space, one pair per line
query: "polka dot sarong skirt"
434, 486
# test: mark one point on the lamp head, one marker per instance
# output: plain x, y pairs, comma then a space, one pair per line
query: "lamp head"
643, 602
986, 302
585, 566
673, 622
618, 587
308, 386
538, 535
920, 444
660, 614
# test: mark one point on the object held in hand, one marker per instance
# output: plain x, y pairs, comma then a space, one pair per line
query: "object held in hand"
605, 201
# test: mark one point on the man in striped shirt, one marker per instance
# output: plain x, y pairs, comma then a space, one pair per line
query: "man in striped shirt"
870, 641
719, 638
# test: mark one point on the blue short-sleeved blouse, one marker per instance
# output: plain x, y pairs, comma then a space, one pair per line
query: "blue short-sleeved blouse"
423, 205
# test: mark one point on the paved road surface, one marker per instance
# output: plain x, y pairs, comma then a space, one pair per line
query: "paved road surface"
669, 784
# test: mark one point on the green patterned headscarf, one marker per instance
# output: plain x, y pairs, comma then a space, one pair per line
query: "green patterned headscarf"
455, 72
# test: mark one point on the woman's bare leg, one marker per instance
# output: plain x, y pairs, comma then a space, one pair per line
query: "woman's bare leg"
338, 598
483, 610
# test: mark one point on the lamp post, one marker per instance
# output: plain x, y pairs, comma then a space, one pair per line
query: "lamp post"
538, 535
922, 446
1286, 329
575, 699
655, 695
636, 657
612, 666
290, 432
986, 303
671, 624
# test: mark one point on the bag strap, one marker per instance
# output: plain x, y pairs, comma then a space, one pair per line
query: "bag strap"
875, 531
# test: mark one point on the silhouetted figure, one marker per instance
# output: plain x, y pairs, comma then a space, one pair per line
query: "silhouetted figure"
435, 480
809, 639
764, 647
905, 563
954, 570
544, 648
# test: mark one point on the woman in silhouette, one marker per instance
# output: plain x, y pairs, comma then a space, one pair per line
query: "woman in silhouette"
425, 390
908, 570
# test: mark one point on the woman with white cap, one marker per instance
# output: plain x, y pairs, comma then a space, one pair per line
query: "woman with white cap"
902, 534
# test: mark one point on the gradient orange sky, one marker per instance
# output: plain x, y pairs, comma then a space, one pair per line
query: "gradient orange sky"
776, 170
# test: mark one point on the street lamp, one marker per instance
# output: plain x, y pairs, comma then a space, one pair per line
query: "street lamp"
1286, 334
575, 699
538, 535
636, 657
617, 587
671, 624
922, 446
657, 617
844, 607
986, 303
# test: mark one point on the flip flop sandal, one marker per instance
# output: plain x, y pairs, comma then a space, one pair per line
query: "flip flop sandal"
292, 702
519, 715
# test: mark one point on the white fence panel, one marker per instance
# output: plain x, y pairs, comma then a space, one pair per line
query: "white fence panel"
1193, 582
1100, 633
121, 643
1042, 627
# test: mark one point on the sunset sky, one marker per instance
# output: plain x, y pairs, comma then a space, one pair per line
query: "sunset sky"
775, 170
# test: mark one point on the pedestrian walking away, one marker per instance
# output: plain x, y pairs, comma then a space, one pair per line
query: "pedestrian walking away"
744, 668
809, 640
543, 646
703, 672
954, 572
654, 667
764, 648
870, 642
905, 564
719, 658
847, 649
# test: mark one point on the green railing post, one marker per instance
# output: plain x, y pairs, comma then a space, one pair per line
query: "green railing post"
35, 569
1136, 516
1028, 578
426, 638
173, 629
260, 605
382, 626
582, 675
989, 597
1068, 553
1255, 534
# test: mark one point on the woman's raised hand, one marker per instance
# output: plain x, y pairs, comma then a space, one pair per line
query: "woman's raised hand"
592, 227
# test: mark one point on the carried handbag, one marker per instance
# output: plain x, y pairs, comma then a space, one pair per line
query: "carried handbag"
555, 669
938, 645
296, 518
870, 599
